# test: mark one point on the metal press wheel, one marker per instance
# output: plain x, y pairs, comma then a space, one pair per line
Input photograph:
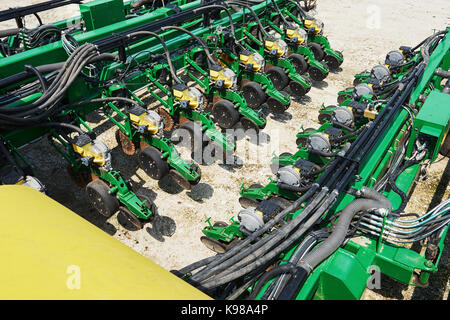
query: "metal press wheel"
253, 94
213, 244
249, 124
179, 179
278, 76
332, 62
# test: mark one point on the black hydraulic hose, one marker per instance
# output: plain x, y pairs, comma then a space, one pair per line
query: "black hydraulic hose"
288, 187
307, 244
274, 272
302, 12
194, 265
230, 254
30, 68
279, 12
166, 51
272, 250
315, 172
54, 94
396, 189
372, 200
347, 136
38, 18
57, 124
198, 39
426, 47
9, 32
5, 82
48, 113
323, 153
378, 125
442, 73
75, 60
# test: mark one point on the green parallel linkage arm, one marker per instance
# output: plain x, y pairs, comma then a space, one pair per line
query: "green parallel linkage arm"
119, 186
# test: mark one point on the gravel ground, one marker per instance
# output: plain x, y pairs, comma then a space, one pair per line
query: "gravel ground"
364, 31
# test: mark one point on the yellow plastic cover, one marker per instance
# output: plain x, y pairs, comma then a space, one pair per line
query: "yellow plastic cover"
142, 120
49, 252
270, 45
312, 23
217, 75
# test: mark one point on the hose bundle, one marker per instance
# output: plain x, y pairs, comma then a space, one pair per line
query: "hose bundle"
49, 103
401, 230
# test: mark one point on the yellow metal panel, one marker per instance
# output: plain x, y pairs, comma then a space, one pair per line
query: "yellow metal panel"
49, 252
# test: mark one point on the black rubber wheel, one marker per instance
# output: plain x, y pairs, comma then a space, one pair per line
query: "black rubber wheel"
317, 50
332, 62
298, 89
101, 199
225, 114
195, 139
213, 244
276, 106
249, 124
299, 62
316, 74
279, 77
275, 166
254, 94
324, 117
151, 162
445, 148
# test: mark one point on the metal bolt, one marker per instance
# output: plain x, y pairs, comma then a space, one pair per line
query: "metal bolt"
429, 263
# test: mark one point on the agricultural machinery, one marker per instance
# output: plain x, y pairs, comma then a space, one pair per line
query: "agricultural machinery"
335, 210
